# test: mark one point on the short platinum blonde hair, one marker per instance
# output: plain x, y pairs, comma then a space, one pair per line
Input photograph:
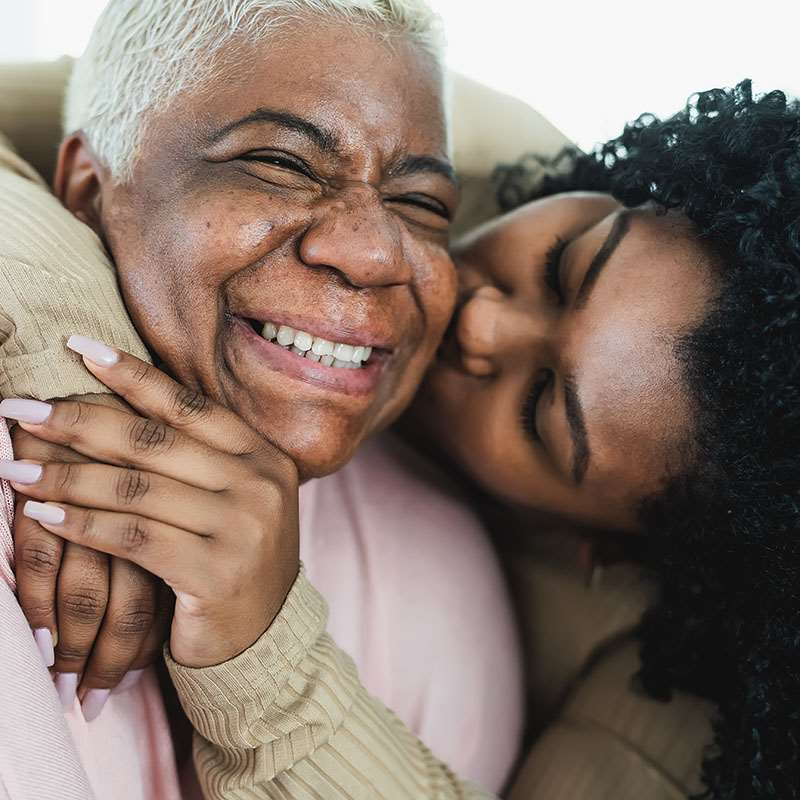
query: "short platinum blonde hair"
143, 53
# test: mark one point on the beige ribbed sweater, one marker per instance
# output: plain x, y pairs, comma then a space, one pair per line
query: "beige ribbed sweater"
289, 718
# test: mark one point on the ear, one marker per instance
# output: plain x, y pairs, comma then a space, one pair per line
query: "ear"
79, 180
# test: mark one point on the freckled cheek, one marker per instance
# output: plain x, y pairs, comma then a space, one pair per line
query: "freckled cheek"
436, 289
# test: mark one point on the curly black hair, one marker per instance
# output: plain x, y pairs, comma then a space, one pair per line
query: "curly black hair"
723, 538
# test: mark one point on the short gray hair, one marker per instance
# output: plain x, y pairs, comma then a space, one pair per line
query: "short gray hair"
143, 53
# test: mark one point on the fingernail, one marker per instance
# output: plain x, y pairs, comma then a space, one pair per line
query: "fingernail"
95, 351
93, 702
129, 681
44, 512
20, 471
44, 641
33, 411
67, 687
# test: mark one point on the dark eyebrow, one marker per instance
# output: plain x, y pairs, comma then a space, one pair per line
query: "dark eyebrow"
414, 165
326, 140
572, 403
617, 233
577, 430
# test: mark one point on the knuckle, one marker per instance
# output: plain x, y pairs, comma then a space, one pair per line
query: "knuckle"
133, 621
40, 558
189, 404
68, 653
134, 535
140, 374
131, 486
84, 605
65, 476
150, 436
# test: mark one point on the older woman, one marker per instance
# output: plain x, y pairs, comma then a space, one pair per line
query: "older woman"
314, 202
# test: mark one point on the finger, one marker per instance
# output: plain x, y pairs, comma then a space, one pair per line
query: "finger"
37, 562
178, 557
130, 615
28, 447
82, 598
114, 437
159, 632
154, 394
130, 490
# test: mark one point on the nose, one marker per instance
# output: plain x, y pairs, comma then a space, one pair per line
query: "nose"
495, 331
356, 237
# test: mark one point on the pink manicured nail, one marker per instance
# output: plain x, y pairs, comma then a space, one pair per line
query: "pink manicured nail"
33, 411
67, 687
20, 471
97, 352
44, 641
129, 681
44, 512
93, 702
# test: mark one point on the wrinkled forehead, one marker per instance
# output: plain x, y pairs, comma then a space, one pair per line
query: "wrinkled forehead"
371, 90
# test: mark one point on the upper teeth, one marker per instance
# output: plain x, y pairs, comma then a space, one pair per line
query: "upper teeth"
315, 348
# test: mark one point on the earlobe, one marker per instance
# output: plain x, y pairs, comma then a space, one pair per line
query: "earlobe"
78, 180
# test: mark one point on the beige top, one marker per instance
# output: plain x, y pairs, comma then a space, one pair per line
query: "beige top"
288, 718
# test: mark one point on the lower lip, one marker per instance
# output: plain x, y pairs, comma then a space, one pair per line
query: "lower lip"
361, 381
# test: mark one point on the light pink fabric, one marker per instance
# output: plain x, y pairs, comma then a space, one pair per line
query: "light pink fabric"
418, 600
126, 754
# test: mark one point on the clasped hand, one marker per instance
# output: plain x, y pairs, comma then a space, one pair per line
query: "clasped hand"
184, 489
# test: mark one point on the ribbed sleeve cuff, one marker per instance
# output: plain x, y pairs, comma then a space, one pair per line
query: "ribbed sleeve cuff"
226, 703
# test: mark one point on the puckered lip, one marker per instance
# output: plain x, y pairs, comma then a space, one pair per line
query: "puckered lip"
358, 335
360, 382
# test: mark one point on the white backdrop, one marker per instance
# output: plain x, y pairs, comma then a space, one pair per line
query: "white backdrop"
587, 65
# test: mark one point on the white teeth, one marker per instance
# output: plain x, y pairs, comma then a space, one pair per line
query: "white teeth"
315, 348
322, 347
285, 335
343, 352
303, 341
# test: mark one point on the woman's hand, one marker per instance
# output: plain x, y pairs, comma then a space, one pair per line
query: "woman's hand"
101, 620
188, 491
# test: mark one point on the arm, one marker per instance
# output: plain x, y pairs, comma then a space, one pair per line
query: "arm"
93, 618
55, 280
289, 718
214, 514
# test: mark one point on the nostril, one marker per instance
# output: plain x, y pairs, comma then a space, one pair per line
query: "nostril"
478, 366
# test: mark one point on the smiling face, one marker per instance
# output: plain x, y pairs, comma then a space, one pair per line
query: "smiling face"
307, 191
559, 388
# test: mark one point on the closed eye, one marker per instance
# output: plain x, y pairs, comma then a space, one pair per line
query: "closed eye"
423, 201
528, 413
282, 161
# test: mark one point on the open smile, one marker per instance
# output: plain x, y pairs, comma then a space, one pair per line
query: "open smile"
352, 367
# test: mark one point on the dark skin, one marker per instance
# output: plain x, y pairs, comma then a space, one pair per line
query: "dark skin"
320, 196
601, 356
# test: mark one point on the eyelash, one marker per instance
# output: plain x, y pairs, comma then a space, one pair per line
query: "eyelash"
528, 413
280, 161
552, 267
441, 211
